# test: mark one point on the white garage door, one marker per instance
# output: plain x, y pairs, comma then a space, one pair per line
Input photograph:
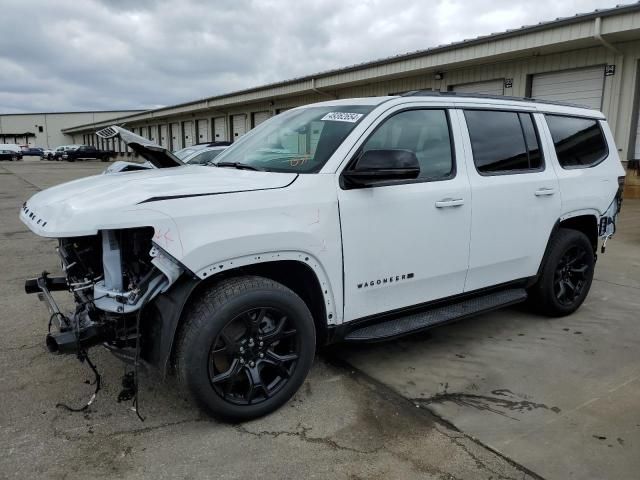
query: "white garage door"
219, 129
582, 87
490, 87
187, 129
259, 117
153, 130
203, 131
163, 135
174, 133
239, 123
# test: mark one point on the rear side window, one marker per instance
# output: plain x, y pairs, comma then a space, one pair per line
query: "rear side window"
503, 142
579, 142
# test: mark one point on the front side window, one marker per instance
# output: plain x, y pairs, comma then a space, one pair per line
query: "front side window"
298, 141
423, 132
503, 142
579, 142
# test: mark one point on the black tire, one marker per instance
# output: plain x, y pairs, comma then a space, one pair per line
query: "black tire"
220, 356
566, 275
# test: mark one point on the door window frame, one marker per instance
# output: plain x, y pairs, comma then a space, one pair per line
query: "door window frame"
454, 164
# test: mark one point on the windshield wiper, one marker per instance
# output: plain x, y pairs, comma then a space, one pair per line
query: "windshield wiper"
239, 166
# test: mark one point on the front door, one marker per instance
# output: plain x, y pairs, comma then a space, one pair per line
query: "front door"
516, 199
407, 243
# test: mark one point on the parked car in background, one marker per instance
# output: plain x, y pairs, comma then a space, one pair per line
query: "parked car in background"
47, 154
87, 152
31, 151
201, 155
57, 155
13, 147
8, 155
188, 152
205, 155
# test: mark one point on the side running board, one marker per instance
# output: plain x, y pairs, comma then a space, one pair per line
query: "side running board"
399, 326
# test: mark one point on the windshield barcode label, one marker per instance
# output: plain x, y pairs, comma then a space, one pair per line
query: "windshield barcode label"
342, 117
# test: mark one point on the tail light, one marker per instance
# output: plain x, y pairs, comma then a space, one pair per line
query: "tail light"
620, 191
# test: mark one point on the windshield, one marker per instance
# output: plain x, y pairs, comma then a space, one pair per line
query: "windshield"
204, 157
299, 141
185, 152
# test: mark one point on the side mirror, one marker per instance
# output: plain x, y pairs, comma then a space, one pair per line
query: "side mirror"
379, 166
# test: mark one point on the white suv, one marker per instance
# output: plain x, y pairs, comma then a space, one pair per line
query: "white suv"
352, 220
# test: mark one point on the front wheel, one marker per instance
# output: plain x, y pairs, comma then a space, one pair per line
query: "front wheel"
246, 347
566, 275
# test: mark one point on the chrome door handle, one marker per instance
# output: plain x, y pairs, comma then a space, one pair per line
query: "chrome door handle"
545, 192
449, 202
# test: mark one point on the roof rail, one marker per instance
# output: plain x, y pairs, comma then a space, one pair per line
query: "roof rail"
435, 93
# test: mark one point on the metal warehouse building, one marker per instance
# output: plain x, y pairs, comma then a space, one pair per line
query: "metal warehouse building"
590, 59
45, 129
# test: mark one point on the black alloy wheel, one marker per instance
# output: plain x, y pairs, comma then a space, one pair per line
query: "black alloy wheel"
571, 275
246, 346
254, 356
566, 274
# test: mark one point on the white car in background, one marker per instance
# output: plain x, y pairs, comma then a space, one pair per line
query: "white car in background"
197, 155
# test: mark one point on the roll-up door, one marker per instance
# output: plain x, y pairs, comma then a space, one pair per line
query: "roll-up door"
163, 135
239, 123
259, 117
153, 129
187, 130
490, 87
219, 129
202, 129
581, 86
174, 136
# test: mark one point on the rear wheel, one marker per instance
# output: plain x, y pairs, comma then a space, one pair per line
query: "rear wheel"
246, 347
566, 275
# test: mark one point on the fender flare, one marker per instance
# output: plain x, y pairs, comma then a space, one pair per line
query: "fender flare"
334, 314
170, 305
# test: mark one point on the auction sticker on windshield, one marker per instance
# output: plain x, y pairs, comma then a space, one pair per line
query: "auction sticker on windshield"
342, 117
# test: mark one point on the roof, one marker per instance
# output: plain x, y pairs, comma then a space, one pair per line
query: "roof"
133, 110
560, 21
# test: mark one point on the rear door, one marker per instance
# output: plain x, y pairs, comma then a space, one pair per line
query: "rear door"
407, 242
516, 198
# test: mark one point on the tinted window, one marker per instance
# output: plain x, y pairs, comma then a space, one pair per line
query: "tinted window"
503, 141
423, 132
579, 142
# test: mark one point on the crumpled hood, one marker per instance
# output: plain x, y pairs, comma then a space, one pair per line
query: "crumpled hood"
125, 200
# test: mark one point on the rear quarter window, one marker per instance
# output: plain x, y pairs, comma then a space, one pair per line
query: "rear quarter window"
579, 142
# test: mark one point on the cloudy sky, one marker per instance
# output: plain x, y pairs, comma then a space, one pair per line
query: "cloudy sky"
120, 54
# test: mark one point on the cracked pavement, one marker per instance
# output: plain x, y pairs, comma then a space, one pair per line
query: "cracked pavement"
341, 424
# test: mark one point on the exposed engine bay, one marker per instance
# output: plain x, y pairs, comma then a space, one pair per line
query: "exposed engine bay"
112, 276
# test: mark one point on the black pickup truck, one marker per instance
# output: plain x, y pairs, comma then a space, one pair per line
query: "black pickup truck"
86, 152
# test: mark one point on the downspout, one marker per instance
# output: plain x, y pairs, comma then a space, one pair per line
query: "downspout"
597, 34
313, 87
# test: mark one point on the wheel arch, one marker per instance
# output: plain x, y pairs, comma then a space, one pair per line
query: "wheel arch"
297, 271
585, 221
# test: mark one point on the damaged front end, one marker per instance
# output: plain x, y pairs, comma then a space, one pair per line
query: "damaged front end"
112, 276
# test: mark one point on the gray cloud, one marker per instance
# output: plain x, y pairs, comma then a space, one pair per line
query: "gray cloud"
113, 54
